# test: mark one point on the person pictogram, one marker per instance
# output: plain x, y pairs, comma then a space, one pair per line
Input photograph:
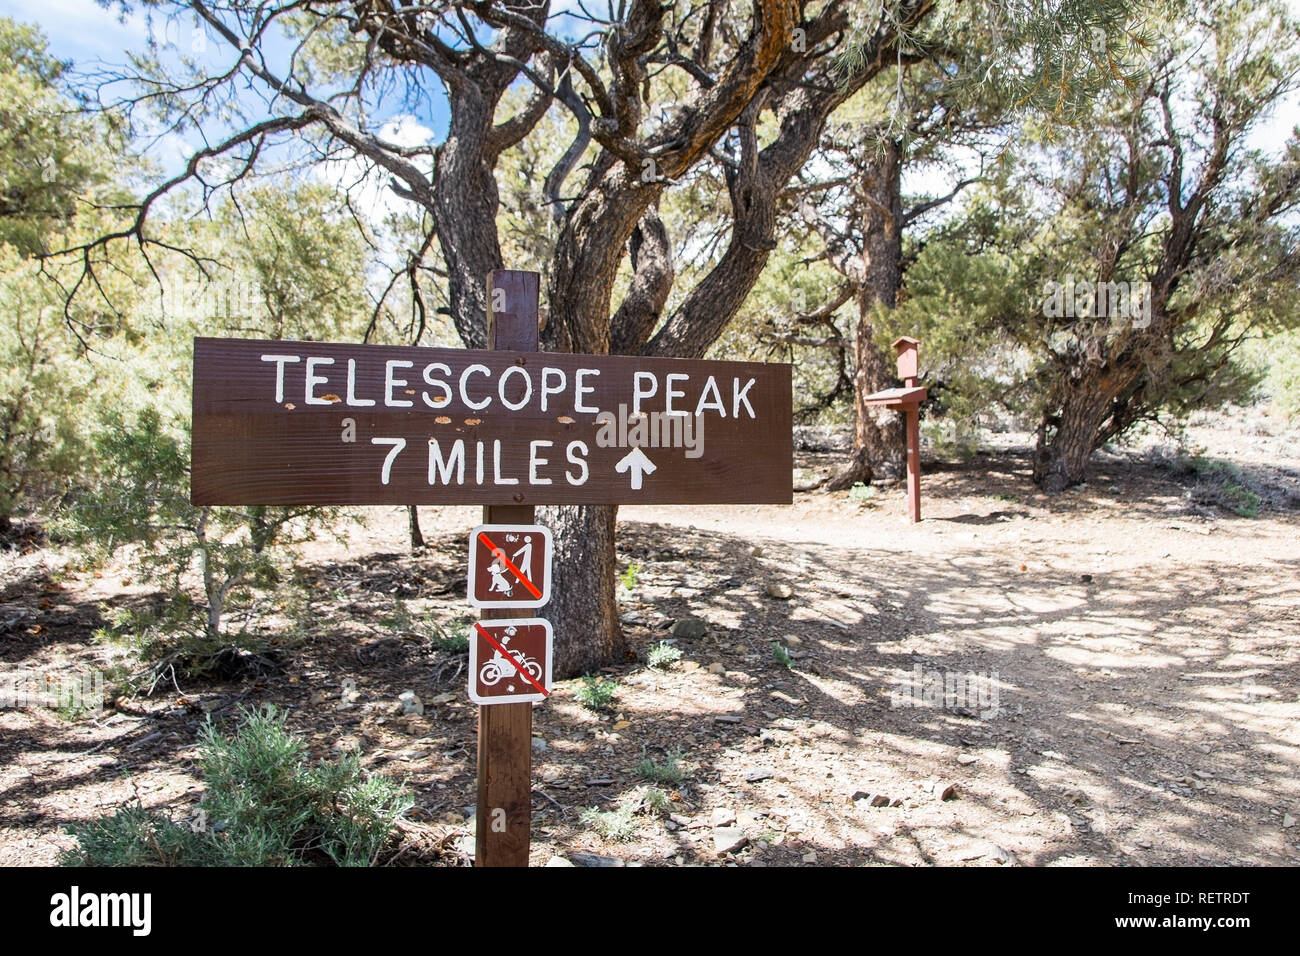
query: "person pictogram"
524, 556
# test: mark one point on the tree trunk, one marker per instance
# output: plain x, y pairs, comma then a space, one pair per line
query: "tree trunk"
878, 435
583, 607
1061, 457
417, 536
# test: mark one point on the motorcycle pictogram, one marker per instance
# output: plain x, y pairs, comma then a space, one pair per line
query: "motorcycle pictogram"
501, 667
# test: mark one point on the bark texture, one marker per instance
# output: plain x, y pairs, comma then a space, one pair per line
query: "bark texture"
879, 439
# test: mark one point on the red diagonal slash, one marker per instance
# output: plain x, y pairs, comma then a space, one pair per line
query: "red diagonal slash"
522, 673
509, 564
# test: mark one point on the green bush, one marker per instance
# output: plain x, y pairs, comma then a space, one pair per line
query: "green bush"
231, 554
1223, 484
782, 655
861, 493
663, 656
618, 825
668, 771
596, 693
264, 805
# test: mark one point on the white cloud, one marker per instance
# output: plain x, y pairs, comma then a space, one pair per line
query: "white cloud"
80, 28
405, 131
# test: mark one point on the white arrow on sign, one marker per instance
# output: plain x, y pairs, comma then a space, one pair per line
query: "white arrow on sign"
637, 462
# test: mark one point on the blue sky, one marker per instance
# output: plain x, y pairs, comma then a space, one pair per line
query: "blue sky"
95, 38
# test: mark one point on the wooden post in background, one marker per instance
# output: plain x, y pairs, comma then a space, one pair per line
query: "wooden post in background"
505, 731
913, 414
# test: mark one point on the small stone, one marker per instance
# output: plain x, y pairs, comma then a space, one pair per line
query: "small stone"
754, 776
792, 640
592, 859
780, 590
1288, 822
863, 799
722, 817
810, 856
539, 744
726, 719
945, 790
690, 628
409, 703
729, 840
557, 861
966, 759
717, 668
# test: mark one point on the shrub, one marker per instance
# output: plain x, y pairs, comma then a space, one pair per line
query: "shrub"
142, 497
782, 655
596, 693
264, 805
618, 824
668, 771
663, 656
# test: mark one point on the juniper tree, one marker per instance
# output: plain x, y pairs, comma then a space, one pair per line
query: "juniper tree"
656, 93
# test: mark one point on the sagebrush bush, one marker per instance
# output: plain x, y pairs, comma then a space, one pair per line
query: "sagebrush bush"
264, 805
663, 656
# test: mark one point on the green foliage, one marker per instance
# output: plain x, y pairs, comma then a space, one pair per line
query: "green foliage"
264, 805
141, 498
861, 494
1052, 210
663, 656
1281, 372
132, 836
50, 157
596, 693
656, 800
782, 655
617, 825
42, 446
668, 771
452, 636
1223, 484
629, 575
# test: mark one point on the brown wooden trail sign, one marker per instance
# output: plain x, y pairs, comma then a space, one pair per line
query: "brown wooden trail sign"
278, 423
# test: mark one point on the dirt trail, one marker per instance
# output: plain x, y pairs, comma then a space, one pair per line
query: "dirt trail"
1117, 683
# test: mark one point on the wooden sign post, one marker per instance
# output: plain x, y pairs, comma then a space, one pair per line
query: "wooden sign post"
504, 814
907, 400
313, 423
